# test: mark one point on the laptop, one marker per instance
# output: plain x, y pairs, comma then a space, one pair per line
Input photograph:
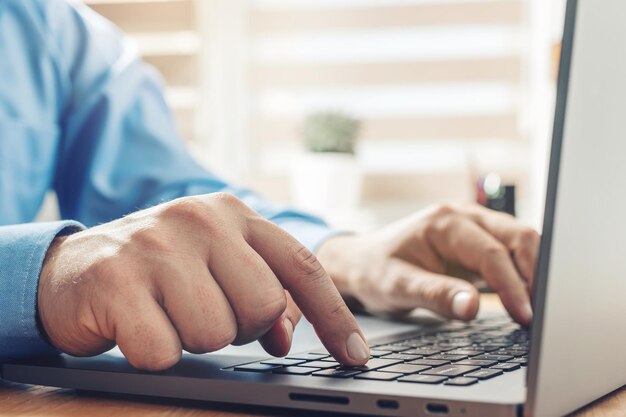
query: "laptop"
572, 355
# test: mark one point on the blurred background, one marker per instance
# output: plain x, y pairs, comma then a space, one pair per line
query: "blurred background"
376, 108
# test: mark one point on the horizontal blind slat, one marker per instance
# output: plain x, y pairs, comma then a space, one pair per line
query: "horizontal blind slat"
176, 70
409, 128
149, 16
432, 187
181, 43
300, 76
264, 21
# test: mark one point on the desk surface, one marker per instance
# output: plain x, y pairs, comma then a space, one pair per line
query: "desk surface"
28, 400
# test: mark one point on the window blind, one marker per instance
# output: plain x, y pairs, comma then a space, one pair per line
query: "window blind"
439, 86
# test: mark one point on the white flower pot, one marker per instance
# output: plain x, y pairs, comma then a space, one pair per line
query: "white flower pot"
326, 183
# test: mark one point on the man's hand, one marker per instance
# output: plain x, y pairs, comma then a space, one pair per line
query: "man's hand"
198, 273
404, 266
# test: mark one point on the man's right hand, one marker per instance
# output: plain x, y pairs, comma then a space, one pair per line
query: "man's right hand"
197, 273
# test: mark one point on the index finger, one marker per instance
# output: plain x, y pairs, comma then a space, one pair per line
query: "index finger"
472, 246
303, 276
521, 240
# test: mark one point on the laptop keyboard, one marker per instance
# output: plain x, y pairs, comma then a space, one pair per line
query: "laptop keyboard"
459, 356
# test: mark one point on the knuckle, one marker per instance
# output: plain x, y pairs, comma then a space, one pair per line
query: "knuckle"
150, 240
527, 237
490, 264
189, 210
265, 313
434, 292
435, 298
495, 251
198, 213
443, 210
429, 293
227, 200
339, 311
307, 264
446, 223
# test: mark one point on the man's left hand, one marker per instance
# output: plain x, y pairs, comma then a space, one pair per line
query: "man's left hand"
405, 265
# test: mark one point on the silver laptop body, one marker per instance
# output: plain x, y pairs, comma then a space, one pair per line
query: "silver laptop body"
577, 339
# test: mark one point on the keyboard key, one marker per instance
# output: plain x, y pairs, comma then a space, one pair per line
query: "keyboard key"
484, 373
308, 356
319, 364
376, 353
402, 357
336, 373
461, 381
490, 357
283, 362
477, 362
295, 370
464, 351
512, 352
378, 376
493, 346
451, 370
422, 351
423, 379
416, 343
453, 345
461, 334
429, 362
321, 351
506, 366
404, 368
256, 367
447, 357
522, 361
392, 348
374, 364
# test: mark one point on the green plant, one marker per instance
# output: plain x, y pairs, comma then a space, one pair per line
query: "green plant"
330, 132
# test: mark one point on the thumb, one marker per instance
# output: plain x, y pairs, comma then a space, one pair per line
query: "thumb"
450, 297
277, 341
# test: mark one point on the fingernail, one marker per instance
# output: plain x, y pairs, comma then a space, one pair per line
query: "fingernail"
460, 303
288, 325
357, 349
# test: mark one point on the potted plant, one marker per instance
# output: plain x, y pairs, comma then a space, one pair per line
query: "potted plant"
326, 177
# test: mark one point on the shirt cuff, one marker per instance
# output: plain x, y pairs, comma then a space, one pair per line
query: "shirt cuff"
22, 252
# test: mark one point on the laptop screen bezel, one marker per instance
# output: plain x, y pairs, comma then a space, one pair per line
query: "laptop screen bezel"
543, 263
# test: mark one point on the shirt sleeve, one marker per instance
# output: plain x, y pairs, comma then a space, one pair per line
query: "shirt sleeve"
120, 148
22, 252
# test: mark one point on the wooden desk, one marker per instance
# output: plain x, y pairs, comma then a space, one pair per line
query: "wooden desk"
28, 400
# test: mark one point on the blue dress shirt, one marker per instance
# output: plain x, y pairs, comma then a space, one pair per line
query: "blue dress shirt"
80, 114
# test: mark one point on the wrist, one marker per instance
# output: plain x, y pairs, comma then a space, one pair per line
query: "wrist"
44, 285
